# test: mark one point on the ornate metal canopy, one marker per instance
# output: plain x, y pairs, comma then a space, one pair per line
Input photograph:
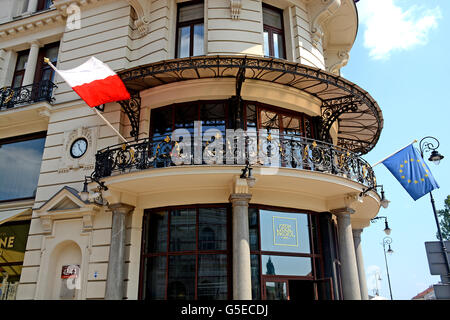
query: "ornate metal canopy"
359, 117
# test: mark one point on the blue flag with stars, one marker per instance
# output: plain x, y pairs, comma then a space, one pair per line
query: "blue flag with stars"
411, 171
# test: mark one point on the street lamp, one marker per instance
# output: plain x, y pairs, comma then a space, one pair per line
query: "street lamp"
386, 230
428, 144
383, 201
387, 242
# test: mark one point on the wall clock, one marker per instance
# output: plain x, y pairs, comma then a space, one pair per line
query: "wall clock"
78, 148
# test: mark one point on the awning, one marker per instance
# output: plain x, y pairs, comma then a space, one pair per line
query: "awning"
8, 215
359, 117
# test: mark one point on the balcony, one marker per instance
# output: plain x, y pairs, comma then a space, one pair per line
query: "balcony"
287, 151
25, 95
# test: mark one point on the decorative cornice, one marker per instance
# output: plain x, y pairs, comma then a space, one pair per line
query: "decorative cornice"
31, 23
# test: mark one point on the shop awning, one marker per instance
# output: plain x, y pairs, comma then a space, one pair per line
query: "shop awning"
8, 215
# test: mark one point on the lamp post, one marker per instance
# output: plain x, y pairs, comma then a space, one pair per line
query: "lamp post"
428, 144
387, 242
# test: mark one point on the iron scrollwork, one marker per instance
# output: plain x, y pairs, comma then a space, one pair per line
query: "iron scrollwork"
295, 152
132, 109
39, 91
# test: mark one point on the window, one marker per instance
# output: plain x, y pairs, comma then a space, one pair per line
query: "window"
190, 33
273, 32
19, 72
44, 5
286, 123
186, 253
20, 165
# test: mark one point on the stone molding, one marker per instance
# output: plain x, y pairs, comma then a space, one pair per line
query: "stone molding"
87, 161
326, 10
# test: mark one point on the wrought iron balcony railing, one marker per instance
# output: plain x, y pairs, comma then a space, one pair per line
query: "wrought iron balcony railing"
14, 97
287, 151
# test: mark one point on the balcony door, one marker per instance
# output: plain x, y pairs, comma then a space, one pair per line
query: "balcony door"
43, 70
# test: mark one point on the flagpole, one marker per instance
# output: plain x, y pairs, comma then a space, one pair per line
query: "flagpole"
394, 153
47, 60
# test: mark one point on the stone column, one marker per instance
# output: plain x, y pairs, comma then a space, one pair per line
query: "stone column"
30, 70
116, 264
8, 64
32, 6
349, 270
242, 276
360, 264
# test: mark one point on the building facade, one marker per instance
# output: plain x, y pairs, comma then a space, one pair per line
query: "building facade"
242, 177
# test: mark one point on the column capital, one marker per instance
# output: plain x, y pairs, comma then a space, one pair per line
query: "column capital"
35, 43
121, 208
342, 211
357, 233
240, 199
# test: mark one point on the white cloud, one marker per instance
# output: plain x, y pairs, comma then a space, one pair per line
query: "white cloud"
389, 28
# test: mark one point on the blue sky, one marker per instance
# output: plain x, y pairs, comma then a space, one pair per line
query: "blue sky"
401, 57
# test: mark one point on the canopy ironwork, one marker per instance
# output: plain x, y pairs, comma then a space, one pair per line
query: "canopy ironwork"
359, 117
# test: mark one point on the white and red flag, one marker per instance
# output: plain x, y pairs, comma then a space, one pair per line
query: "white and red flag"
95, 83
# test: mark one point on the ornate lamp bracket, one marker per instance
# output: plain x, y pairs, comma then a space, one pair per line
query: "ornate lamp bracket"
132, 109
332, 109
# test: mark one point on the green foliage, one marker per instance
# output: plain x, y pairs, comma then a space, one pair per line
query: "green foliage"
444, 220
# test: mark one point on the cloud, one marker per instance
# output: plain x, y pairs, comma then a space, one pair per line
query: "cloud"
389, 28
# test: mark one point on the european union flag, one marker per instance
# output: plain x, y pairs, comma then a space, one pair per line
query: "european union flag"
411, 171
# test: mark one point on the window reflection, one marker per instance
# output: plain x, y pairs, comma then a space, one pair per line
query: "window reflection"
276, 290
286, 266
212, 277
198, 40
184, 34
155, 278
181, 283
182, 229
20, 164
212, 229
157, 233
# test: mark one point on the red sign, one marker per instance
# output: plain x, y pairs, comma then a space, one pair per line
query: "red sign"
70, 271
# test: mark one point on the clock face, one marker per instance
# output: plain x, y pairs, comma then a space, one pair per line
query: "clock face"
78, 148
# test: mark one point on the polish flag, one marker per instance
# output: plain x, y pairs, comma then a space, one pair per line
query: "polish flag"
95, 83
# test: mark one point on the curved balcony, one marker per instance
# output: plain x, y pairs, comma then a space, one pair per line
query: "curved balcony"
264, 150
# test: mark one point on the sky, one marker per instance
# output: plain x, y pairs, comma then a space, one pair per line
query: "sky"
401, 57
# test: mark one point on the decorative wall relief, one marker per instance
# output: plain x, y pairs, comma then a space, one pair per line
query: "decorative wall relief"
86, 160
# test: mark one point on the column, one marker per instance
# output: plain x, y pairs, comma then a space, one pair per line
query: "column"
349, 270
116, 264
9, 59
360, 264
242, 276
32, 6
30, 70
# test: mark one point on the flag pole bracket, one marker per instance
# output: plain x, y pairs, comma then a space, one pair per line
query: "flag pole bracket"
132, 109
